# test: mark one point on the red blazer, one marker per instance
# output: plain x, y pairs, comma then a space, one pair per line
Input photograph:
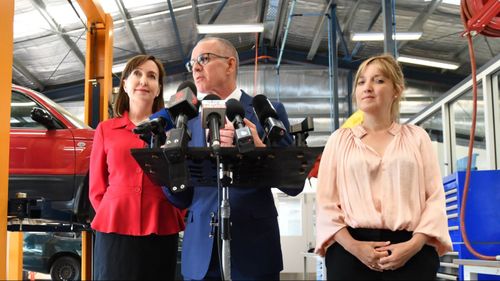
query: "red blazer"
124, 199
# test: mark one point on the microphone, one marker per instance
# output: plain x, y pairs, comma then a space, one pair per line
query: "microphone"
184, 105
152, 126
213, 112
157, 120
235, 113
163, 113
152, 131
300, 131
268, 118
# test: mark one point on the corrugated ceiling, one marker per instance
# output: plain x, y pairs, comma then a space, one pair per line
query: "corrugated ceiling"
50, 36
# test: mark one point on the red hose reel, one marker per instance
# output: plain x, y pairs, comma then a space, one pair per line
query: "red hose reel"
479, 17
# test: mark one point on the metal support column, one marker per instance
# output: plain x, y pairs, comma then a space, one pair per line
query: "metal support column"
98, 59
333, 69
98, 73
6, 59
15, 253
389, 11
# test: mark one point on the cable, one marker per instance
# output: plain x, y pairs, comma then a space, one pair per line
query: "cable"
469, 9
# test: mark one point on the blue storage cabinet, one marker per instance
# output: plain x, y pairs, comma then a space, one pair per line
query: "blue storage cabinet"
482, 214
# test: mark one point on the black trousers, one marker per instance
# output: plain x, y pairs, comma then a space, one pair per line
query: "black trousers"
124, 257
342, 265
214, 271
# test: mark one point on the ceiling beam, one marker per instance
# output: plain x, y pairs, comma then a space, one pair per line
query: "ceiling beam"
217, 12
213, 17
359, 45
279, 21
19, 67
346, 26
176, 30
54, 25
130, 27
341, 37
261, 16
194, 9
418, 24
319, 30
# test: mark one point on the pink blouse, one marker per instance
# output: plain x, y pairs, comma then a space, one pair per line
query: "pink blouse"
402, 190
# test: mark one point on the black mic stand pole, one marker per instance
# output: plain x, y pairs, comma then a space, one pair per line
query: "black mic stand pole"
225, 223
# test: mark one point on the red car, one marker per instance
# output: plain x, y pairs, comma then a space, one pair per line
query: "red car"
49, 155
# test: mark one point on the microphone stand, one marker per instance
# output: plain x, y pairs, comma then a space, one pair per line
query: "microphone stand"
224, 179
225, 223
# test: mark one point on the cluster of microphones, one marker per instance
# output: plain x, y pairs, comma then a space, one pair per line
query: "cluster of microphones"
184, 105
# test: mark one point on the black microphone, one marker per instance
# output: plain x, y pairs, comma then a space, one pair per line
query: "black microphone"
235, 113
213, 112
268, 118
184, 105
154, 126
300, 131
163, 113
152, 131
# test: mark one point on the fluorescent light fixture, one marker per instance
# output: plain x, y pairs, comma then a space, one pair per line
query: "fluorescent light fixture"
428, 62
379, 36
229, 28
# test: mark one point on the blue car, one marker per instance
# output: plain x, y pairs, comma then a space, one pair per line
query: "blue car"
54, 253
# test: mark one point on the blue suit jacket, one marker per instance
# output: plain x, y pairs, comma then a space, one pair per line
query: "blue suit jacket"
255, 237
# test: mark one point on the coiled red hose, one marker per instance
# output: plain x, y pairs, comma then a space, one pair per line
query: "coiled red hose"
478, 17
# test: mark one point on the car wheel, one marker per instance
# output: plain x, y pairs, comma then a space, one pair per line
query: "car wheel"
65, 268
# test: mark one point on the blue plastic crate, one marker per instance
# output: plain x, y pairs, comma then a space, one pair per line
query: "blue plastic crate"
462, 163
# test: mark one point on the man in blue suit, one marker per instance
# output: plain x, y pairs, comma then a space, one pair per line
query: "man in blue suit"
255, 238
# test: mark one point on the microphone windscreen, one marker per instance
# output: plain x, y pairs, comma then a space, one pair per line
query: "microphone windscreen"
187, 84
263, 108
184, 101
169, 124
233, 108
211, 97
212, 105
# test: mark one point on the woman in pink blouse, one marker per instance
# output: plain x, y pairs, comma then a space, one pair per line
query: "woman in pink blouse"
136, 227
380, 199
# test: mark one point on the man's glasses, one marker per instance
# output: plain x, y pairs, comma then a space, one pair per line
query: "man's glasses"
202, 60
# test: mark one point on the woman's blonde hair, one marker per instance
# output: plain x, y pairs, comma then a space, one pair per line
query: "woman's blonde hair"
391, 69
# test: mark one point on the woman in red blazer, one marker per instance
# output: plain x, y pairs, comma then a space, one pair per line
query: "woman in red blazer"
136, 227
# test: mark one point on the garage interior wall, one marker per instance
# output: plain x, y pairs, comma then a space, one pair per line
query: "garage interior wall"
304, 91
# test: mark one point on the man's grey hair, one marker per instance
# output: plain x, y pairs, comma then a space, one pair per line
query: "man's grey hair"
228, 46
